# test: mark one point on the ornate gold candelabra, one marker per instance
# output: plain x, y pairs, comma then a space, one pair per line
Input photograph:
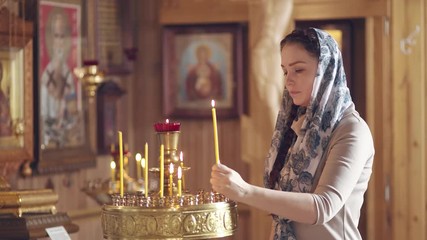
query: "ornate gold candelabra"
176, 215
91, 77
101, 190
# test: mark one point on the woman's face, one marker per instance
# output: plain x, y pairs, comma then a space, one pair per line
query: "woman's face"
299, 68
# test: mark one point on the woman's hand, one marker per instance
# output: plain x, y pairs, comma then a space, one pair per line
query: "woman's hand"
299, 207
228, 182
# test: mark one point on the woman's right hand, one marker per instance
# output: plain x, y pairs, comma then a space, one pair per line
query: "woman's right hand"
228, 182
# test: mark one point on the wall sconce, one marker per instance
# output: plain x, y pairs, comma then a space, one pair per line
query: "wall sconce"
91, 76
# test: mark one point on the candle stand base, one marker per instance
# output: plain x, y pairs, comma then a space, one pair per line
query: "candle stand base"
169, 217
166, 213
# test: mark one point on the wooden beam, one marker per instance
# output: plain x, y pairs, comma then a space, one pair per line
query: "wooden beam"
203, 11
339, 10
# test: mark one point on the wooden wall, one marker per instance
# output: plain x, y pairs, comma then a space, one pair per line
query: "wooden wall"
408, 84
395, 106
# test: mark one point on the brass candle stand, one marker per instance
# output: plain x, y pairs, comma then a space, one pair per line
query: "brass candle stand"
91, 77
170, 139
101, 190
178, 214
202, 216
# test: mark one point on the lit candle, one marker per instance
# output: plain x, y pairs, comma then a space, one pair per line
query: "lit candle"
113, 171
138, 165
162, 169
121, 163
181, 158
143, 173
215, 129
146, 169
179, 181
171, 179
143, 167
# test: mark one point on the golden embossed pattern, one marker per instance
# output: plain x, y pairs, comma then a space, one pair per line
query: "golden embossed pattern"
203, 221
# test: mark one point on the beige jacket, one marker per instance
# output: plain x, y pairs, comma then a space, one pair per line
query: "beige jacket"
343, 182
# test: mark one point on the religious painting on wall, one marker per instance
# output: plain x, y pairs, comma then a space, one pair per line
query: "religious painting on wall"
16, 90
203, 63
13, 101
63, 125
11, 66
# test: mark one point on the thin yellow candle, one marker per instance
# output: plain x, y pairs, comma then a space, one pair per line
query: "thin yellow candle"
215, 129
138, 165
143, 167
146, 169
181, 158
143, 177
162, 169
121, 163
179, 181
113, 171
171, 179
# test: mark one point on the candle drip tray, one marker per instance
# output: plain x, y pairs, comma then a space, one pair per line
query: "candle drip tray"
204, 215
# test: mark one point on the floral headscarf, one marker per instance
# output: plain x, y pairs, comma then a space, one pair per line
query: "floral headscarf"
329, 99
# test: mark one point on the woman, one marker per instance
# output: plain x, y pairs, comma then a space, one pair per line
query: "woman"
321, 154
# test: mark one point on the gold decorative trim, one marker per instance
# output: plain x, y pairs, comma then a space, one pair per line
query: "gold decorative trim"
203, 221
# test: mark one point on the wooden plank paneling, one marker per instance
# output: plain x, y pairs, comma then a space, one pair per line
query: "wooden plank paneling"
400, 114
379, 119
415, 73
409, 199
423, 40
396, 100
196, 142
